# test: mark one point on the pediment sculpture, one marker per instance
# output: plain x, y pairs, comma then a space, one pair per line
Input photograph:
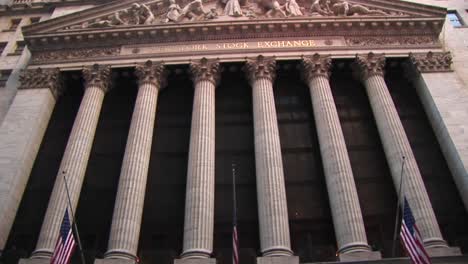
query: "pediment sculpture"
197, 10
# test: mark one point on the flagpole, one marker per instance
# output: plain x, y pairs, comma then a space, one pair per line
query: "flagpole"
73, 219
234, 192
397, 215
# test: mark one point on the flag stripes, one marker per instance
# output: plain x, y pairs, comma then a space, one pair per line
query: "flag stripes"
65, 243
235, 246
411, 237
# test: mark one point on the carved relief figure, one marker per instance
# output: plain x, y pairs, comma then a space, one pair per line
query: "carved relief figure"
142, 14
362, 10
173, 12
98, 23
292, 8
344, 8
320, 7
233, 8
193, 10
212, 14
275, 9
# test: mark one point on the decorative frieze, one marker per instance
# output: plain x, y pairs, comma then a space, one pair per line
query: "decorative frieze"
151, 72
97, 75
42, 78
392, 41
261, 68
205, 70
370, 64
432, 62
71, 54
177, 11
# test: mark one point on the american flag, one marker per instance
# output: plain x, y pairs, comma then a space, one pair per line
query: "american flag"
65, 243
235, 246
235, 238
411, 237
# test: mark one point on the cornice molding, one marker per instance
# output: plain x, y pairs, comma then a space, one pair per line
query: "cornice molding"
97, 76
42, 79
432, 62
399, 31
260, 67
34, 7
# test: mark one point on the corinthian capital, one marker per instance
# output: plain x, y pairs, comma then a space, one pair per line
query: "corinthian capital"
97, 75
316, 65
432, 62
205, 70
41, 79
151, 72
261, 67
370, 64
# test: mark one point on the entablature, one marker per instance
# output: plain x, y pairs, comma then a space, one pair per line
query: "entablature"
137, 30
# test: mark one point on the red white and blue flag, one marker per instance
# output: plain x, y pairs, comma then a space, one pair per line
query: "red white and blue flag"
411, 237
65, 243
235, 238
235, 246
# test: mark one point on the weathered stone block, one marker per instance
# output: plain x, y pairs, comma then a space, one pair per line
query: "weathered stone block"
195, 261
113, 261
362, 255
278, 260
443, 251
34, 261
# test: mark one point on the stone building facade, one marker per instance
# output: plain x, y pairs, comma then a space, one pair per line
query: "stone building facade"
326, 110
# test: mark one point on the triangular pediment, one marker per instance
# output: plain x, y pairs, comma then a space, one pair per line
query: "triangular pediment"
124, 14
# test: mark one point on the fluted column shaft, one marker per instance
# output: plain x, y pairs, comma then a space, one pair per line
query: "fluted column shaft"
75, 158
396, 145
199, 203
128, 210
271, 191
21, 134
344, 201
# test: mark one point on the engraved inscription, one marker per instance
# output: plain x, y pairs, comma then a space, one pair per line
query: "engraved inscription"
232, 46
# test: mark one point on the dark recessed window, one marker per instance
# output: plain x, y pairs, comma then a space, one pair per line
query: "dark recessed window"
19, 47
14, 24
455, 20
2, 47
4, 75
34, 19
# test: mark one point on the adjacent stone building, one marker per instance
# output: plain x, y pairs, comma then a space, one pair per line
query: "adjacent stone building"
135, 115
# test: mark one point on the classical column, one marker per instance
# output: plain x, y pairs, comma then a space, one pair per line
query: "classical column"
75, 158
128, 210
344, 202
396, 146
21, 135
444, 98
199, 202
271, 191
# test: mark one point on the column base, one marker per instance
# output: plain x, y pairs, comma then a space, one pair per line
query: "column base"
34, 261
278, 260
195, 261
443, 251
360, 256
114, 261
